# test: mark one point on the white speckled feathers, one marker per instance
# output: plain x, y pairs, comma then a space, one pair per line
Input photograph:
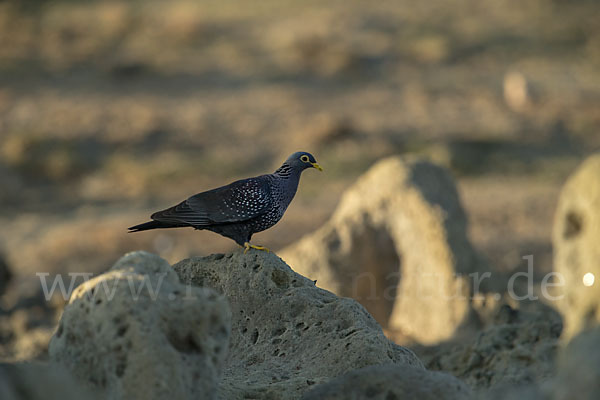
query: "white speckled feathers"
237, 202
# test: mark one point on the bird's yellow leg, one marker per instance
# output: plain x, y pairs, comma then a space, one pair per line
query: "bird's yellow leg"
248, 246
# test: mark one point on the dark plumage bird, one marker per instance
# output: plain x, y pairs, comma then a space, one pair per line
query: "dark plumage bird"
240, 209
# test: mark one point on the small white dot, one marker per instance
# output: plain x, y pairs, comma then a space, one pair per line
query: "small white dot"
588, 279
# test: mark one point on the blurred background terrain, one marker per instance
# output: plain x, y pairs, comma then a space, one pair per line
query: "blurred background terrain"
110, 110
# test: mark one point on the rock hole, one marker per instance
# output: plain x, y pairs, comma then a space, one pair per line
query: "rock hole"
278, 332
256, 267
276, 352
350, 333
573, 225
122, 330
187, 344
98, 301
254, 337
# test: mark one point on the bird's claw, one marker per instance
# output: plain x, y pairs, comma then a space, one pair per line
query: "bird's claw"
248, 246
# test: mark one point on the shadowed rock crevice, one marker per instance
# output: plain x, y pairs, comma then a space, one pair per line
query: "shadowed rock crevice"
376, 283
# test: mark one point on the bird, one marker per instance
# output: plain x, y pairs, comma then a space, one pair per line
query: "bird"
240, 209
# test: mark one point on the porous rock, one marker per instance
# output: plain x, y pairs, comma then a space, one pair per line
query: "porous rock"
40, 381
137, 333
514, 392
400, 229
519, 350
385, 382
287, 334
578, 368
576, 237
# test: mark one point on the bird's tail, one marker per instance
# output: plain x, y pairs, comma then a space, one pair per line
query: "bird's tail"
148, 225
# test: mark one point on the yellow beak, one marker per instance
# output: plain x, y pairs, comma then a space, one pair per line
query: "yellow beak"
317, 166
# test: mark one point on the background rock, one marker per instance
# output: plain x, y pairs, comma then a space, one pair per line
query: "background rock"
136, 332
37, 381
576, 252
519, 349
385, 382
400, 229
578, 375
287, 334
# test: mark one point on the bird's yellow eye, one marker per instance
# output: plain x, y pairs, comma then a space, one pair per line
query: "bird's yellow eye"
304, 158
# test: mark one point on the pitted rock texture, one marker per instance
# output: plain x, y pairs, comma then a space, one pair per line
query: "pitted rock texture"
287, 335
515, 392
137, 333
578, 368
518, 350
400, 229
576, 239
387, 382
40, 381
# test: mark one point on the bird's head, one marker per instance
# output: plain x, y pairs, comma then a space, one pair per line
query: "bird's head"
302, 160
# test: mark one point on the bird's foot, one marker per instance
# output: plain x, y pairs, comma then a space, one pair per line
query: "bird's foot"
248, 246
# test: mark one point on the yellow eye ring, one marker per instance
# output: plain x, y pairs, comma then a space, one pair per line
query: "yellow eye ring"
304, 158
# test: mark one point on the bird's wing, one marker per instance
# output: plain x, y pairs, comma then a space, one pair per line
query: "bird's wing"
237, 202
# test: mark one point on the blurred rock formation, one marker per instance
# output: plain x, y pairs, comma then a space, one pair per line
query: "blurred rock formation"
397, 242
576, 239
